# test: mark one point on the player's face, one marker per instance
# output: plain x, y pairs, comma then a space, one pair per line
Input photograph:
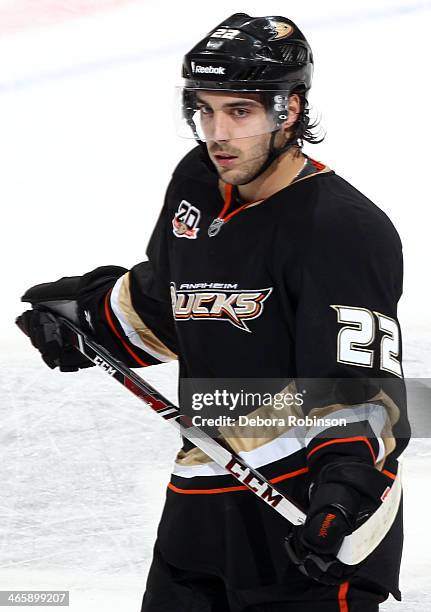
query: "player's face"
230, 123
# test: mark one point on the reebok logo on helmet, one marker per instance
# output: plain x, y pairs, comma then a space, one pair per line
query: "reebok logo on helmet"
198, 69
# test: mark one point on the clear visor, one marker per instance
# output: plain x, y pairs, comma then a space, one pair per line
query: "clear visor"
220, 114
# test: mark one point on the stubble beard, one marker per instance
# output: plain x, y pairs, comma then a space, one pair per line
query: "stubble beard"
256, 157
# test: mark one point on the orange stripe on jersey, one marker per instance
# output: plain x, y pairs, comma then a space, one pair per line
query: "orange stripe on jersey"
342, 594
205, 491
343, 440
117, 333
389, 474
317, 164
289, 475
232, 489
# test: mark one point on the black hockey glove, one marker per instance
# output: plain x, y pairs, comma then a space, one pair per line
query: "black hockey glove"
72, 298
343, 496
47, 336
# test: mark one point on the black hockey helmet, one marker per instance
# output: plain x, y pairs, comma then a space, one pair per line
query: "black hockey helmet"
265, 55
246, 53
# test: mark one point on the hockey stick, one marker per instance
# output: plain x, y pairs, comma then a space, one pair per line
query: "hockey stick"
355, 548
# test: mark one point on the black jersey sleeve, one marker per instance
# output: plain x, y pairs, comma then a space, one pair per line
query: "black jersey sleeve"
348, 339
133, 317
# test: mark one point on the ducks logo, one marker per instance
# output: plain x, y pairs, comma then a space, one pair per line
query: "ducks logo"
218, 302
280, 29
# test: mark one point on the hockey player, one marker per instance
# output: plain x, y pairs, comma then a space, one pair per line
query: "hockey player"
264, 264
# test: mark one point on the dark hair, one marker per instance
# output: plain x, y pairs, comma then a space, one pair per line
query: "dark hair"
304, 128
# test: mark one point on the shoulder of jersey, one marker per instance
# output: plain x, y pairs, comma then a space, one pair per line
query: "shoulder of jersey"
194, 166
341, 208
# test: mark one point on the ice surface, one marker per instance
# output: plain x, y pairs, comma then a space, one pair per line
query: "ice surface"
86, 151
84, 473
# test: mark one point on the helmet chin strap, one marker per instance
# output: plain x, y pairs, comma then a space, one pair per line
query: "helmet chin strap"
273, 154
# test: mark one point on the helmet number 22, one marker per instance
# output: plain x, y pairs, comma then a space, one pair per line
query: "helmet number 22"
359, 332
225, 33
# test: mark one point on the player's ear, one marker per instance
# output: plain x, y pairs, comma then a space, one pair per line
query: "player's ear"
294, 112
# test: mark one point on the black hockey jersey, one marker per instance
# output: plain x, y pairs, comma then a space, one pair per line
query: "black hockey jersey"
298, 288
